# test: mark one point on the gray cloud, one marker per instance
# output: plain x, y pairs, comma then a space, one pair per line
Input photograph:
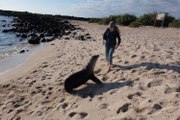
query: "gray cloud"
101, 8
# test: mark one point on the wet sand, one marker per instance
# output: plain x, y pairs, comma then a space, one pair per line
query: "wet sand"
13, 61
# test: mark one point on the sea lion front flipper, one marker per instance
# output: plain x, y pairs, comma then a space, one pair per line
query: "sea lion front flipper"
95, 79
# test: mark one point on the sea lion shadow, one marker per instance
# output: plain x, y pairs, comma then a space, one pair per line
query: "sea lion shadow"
92, 90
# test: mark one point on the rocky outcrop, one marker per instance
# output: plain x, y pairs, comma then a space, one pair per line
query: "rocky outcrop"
37, 27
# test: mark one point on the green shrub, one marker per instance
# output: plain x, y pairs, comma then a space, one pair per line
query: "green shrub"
103, 21
94, 20
126, 19
147, 19
175, 24
112, 18
133, 21
100, 22
135, 24
168, 19
118, 20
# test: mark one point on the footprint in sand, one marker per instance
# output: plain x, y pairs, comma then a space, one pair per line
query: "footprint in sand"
63, 106
154, 83
133, 56
31, 83
27, 78
39, 113
178, 118
6, 85
156, 107
19, 110
83, 114
35, 71
16, 118
43, 93
142, 58
10, 110
101, 98
19, 78
105, 77
62, 100
133, 71
44, 66
171, 90
155, 48
140, 110
142, 118
159, 73
124, 108
126, 118
113, 91
45, 101
103, 106
126, 62
137, 47
135, 94
50, 88
43, 78
33, 93
17, 105
72, 114
80, 115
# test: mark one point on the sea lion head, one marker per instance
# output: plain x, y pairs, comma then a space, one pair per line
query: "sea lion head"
95, 57
92, 62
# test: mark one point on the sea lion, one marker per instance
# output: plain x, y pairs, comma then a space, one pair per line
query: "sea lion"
81, 77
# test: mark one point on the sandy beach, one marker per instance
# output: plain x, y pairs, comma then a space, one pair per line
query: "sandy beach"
144, 83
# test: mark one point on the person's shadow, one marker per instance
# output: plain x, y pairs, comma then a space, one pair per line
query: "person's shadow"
92, 89
149, 66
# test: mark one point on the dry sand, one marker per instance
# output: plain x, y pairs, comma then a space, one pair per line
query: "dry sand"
144, 83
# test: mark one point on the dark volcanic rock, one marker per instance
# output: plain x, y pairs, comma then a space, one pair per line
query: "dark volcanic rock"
38, 27
9, 30
18, 35
47, 39
41, 35
34, 40
32, 35
80, 37
24, 36
22, 51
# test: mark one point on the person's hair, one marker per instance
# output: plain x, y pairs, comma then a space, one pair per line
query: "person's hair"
112, 24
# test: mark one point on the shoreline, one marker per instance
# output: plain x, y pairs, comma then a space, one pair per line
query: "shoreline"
13, 62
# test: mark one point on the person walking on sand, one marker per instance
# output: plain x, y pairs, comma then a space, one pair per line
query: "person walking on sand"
111, 39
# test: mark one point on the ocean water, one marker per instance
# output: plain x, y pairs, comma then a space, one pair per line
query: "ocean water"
9, 43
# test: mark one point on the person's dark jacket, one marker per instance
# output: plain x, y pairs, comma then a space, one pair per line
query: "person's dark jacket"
110, 37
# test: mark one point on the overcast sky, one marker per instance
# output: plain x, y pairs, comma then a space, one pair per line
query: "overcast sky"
93, 8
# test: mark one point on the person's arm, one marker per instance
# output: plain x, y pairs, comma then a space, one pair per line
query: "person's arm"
119, 39
118, 36
105, 36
